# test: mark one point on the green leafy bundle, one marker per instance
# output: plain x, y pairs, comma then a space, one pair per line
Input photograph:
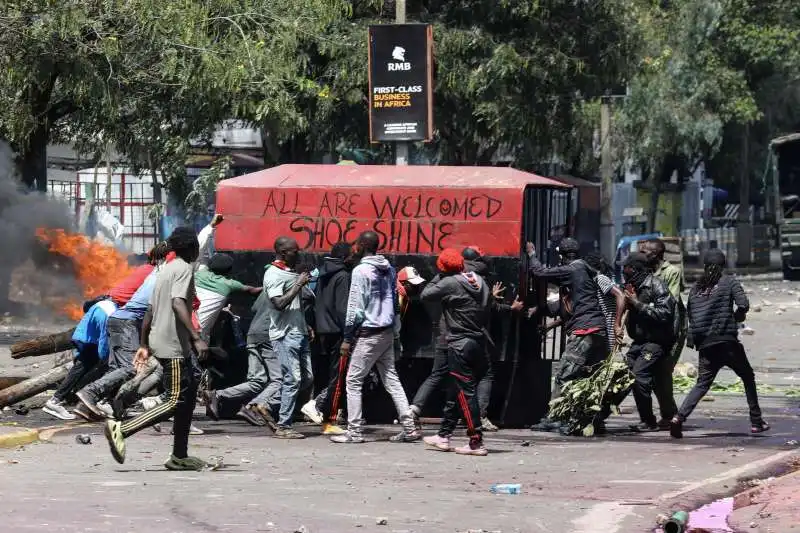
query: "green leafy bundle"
581, 400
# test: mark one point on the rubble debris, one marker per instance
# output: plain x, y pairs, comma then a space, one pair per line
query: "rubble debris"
83, 438
381, 521
21, 410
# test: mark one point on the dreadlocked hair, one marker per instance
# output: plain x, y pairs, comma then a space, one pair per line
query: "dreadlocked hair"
714, 264
598, 262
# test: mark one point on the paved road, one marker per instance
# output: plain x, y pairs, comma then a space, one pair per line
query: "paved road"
613, 484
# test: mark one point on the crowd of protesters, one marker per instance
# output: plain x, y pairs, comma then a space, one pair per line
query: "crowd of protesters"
140, 353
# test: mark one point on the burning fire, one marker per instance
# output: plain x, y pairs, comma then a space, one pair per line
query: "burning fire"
98, 267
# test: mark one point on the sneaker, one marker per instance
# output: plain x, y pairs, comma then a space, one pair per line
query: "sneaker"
116, 442
487, 425
105, 408
406, 436
193, 430
212, 404
56, 408
150, 402
439, 443
760, 427
288, 433
644, 427
187, 463
310, 410
333, 429
664, 424
87, 400
266, 415
473, 448
84, 412
251, 416
348, 438
676, 428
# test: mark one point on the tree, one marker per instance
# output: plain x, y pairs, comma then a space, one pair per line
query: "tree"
145, 75
698, 87
511, 77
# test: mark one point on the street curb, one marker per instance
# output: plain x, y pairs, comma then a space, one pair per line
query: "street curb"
19, 438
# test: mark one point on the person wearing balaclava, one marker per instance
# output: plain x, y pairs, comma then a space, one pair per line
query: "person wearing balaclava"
713, 331
652, 327
587, 345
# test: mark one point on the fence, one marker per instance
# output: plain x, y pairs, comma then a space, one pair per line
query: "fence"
131, 198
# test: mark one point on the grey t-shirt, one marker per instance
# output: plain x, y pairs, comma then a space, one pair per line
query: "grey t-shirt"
169, 339
278, 282
259, 327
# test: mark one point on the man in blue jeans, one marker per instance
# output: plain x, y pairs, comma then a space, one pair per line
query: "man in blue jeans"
288, 330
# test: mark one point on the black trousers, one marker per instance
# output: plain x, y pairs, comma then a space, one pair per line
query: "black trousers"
712, 359
332, 397
87, 368
581, 356
180, 389
646, 360
437, 378
467, 363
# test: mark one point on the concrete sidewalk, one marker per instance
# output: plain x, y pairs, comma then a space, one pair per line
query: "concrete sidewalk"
771, 507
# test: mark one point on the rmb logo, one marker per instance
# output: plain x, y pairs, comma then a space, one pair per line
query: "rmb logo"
399, 53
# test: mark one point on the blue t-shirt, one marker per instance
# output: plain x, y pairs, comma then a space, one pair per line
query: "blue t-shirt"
92, 327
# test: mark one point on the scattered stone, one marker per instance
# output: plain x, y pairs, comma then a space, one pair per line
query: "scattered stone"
6, 409
747, 331
83, 438
753, 525
782, 308
381, 521
756, 309
301, 529
792, 442
12, 462
766, 303
525, 443
246, 460
778, 312
21, 410
661, 519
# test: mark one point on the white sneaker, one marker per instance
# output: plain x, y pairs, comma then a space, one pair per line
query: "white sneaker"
310, 410
105, 408
193, 430
55, 408
149, 402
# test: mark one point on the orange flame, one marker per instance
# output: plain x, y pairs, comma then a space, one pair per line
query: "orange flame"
98, 267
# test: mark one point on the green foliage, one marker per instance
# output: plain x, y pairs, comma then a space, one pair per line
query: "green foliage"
701, 73
582, 399
147, 75
205, 186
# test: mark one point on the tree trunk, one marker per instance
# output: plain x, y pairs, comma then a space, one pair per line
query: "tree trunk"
33, 386
43, 345
33, 159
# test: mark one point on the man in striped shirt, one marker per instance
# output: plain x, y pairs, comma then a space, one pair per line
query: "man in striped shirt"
611, 297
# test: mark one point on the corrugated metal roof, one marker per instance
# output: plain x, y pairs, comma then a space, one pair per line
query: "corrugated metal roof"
417, 176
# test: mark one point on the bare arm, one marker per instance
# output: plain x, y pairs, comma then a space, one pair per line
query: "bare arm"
619, 296
282, 302
252, 290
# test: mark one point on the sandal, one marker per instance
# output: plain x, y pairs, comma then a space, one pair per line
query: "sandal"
761, 427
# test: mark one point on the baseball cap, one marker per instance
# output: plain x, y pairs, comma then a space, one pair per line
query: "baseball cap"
410, 275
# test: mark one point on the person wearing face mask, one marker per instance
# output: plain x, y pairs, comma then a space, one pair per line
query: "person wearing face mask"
587, 345
673, 279
652, 327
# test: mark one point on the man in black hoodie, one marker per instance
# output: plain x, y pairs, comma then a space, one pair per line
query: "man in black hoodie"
466, 302
713, 330
333, 288
587, 345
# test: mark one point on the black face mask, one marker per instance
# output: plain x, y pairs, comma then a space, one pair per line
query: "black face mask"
636, 276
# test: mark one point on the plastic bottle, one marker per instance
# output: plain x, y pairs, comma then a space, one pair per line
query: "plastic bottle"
506, 488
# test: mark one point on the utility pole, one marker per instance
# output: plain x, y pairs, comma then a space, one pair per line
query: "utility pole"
744, 228
607, 235
401, 147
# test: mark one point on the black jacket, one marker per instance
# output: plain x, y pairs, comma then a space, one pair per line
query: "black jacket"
654, 319
333, 288
579, 279
711, 315
465, 305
